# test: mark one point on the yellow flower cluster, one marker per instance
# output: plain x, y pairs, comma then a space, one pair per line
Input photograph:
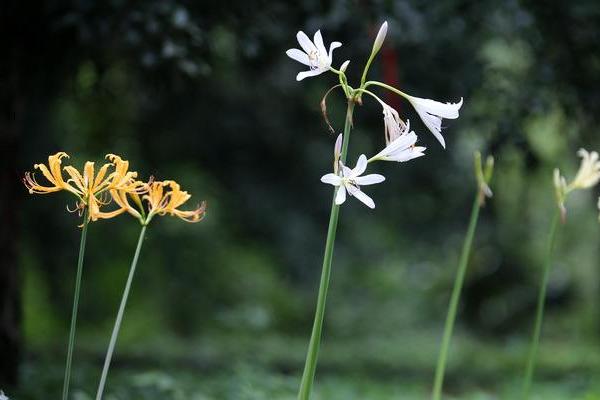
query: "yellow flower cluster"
113, 182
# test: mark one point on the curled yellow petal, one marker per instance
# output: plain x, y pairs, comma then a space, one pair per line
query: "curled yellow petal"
53, 175
121, 178
166, 198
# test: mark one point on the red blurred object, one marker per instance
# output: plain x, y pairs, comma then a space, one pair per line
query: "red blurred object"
391, 76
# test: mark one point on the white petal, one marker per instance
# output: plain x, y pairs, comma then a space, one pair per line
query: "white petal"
361, 166
299, 56
319, 43
434, 124
361, 196
399, 144
331, 179
370, 179
406, 155
340, 196
444, 110
306, 74
305, 42
333, 46
346, 171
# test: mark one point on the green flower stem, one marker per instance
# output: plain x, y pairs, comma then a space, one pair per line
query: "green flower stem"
115, 332
388, 87
453, 306
315, 339
67, 380
539, 316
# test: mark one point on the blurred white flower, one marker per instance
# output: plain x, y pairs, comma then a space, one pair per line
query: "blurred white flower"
402, 148
313, 54
351, 180
432, 112
589, 171
587, 176
3, 396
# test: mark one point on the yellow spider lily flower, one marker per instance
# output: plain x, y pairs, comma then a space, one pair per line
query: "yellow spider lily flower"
52, 173
161, 202
91, 188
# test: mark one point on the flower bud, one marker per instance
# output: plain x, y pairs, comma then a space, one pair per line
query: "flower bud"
483, 175
344, 66
337, 150
380, 38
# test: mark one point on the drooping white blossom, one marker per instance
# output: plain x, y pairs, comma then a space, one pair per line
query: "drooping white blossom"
394, 126
313, 54
350, 181
432, 112
401, 149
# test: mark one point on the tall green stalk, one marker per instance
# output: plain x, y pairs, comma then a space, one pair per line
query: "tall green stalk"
117, 327
539, 315
452, 308
315, 339
67, 379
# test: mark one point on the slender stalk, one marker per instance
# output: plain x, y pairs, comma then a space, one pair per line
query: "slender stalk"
117, 327
312, 355
367, 66
383, 85
539, 315
454, 299
67, 379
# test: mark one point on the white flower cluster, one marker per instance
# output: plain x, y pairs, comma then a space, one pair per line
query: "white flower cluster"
400, 140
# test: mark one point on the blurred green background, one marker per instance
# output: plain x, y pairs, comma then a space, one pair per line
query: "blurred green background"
202, 92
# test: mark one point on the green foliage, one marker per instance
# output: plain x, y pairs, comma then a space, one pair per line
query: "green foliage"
204, 93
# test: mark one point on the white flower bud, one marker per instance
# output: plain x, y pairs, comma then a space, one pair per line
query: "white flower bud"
380, 38
344, 66
337, 150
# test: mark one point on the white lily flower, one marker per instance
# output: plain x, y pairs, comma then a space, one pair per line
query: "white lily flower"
351, 180
589, 171
432, 112
401, 149
314, 54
